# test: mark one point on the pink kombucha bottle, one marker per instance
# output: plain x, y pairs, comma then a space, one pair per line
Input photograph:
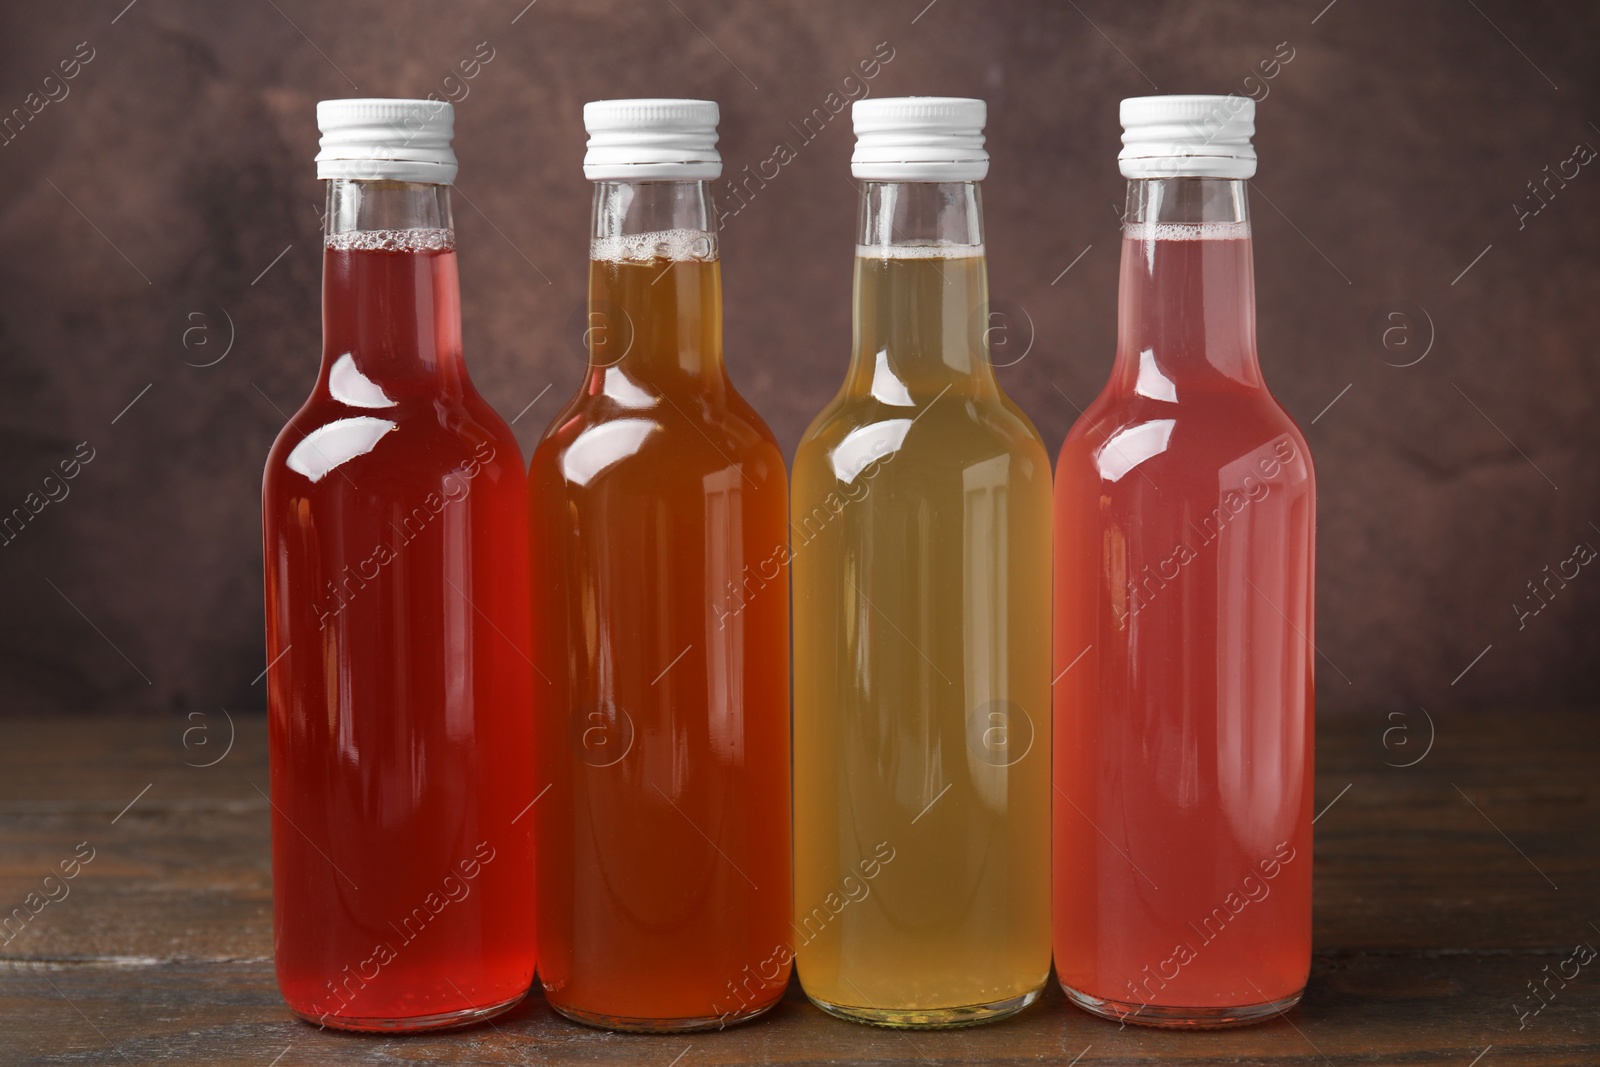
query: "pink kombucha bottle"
1185, 518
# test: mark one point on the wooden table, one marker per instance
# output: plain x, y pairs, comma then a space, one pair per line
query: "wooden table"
1442, 890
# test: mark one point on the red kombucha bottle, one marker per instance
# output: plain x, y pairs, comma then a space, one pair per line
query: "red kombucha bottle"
1185, 529
660, 549
400, 685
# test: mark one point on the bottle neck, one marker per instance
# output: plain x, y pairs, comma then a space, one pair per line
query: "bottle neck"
921, 293
1186, 310
391, 295
655, 288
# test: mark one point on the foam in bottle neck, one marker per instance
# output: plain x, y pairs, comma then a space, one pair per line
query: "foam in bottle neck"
1186, 231
674, 246
417, 240
933, 250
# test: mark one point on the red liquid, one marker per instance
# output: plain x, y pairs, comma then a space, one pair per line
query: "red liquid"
660, 538
400, 691
1183, 744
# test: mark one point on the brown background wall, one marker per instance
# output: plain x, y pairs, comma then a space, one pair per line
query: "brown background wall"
142, 218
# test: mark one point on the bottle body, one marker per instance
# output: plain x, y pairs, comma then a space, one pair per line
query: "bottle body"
658, 503
398, 630
1185, 519
920, 527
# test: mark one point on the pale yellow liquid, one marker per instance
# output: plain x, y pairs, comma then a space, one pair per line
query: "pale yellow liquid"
922, 668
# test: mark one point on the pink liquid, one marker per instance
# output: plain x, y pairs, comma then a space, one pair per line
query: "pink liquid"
400, 688
1183, 721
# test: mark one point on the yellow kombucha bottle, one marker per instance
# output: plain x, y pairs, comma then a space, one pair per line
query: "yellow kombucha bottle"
920, 554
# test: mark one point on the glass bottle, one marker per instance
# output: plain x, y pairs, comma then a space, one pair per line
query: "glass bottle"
1185, 528
921, 557
659, 514
398, 623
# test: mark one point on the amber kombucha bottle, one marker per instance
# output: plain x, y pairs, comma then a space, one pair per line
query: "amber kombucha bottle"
659, 509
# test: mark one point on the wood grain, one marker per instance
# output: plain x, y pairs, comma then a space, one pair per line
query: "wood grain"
1442, 889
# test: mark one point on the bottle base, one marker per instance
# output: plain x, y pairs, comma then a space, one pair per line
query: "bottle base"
929, 1018
631, 1024
447, 1020
1167, 1017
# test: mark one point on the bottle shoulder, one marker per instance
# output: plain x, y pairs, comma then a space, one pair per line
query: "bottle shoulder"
1247, 410
657, 435
959, 433
974, 420
414, 440
1204, 434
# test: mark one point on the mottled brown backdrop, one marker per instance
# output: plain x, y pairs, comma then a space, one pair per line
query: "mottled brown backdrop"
159, 208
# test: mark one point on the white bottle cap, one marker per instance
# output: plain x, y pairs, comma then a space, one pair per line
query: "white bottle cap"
1188, 137
387, 140
920, 139
664, 140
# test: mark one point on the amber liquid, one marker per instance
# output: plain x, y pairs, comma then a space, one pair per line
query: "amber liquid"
921, 512
659, 530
